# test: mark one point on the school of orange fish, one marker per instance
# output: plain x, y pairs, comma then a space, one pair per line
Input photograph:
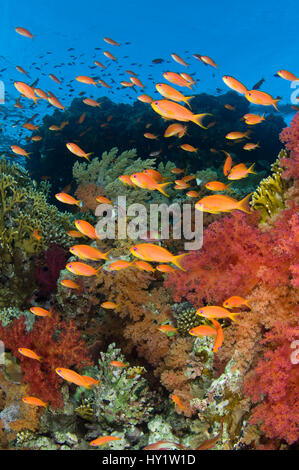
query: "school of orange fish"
170, 109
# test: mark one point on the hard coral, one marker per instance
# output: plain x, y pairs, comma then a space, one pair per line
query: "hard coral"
58, 343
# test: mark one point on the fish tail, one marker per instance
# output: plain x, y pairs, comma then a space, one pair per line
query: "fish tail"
187, 99
243, 205
98, 270
106, 254
198, 118
175, 260
251, 168
80, 203
274, 103
161, 186
88, 155
233, 315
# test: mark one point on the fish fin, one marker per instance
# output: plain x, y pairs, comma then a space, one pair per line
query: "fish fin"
243, 205
80, 203
251, 168
274, 103
161, 186
198, 118
176, 260
187, 99
233, 315
106, 254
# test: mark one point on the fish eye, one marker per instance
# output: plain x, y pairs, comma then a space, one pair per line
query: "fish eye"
135, 248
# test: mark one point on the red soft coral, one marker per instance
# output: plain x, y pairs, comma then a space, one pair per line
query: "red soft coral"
290, 137
59, 345
276, 379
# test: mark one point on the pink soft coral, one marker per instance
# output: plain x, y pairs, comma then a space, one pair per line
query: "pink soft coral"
290, 137
276, 380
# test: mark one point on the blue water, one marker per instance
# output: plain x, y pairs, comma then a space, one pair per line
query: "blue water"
248, 40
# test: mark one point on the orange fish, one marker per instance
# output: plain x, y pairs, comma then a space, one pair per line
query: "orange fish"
67, 199
55, 102
188, 178
70, 284
192, 194
76, 150
177, 171
176, 79
99, 64
87, 252
145, 98
216, 204
237, 135
253, 119
287, 75
24, 32
82, 269
72, 376
19, 151
234, 84
109, 305
217, 186
54, 78
213, 311
144, 266
148, 135
30, 127
145, 181
203, 330
165, 268
103, 83
109, 55
179, 60
86, 80
29, 353
219, 337
103, 200
103, 440
177, 402
236, 301
117, 364
136, 82
75, 234
26, 91
127, 84
156, 175
126, 179
36, 235
36, 138
111, 41
152, 252
227, 164
86, 228
41, 312
175, 129
34, 401
171, 94
188, 148
171, 110
251, 146
230, 107
20, 69
262, 98
118, 265
188, 78
205, 59
40, 93
240, 171
167, 329
91, 102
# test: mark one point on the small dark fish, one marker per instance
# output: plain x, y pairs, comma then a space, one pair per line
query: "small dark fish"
157, 61
258, 84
